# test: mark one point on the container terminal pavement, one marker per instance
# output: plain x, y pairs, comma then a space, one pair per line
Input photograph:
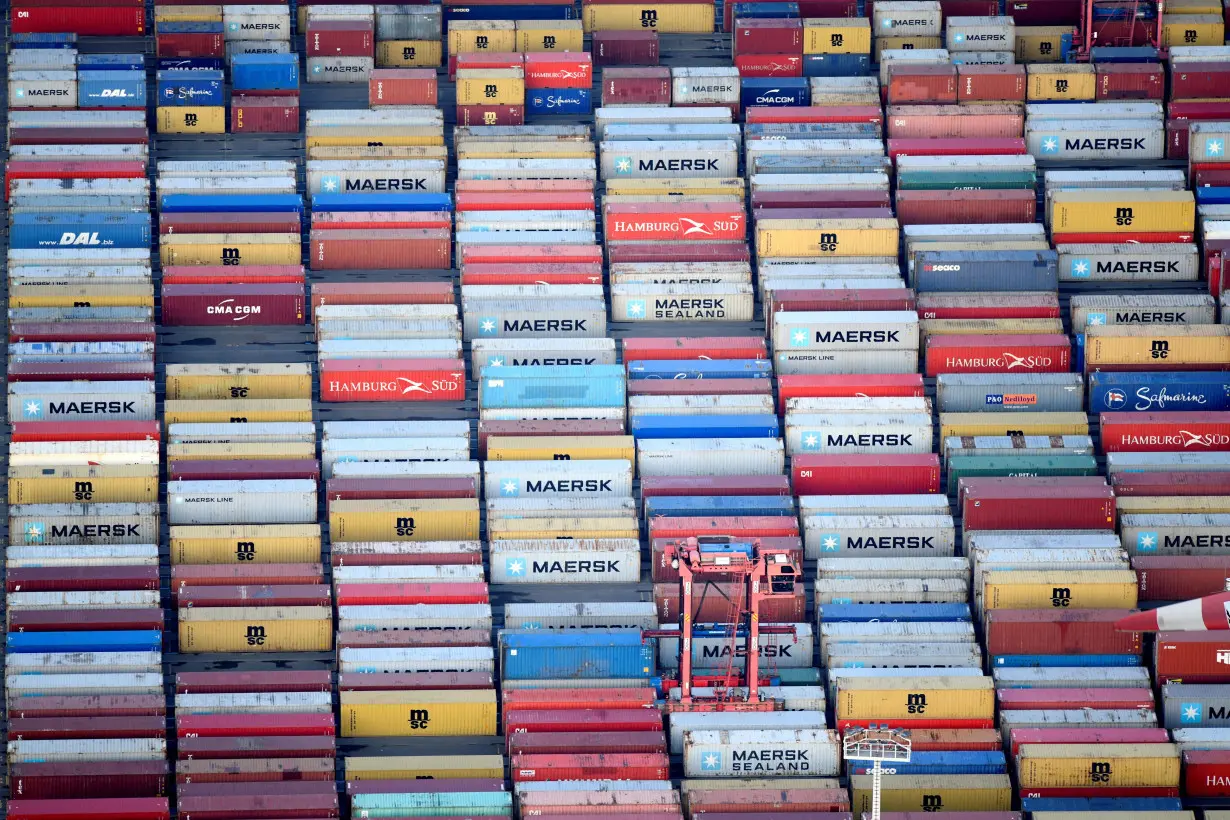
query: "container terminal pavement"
385, 382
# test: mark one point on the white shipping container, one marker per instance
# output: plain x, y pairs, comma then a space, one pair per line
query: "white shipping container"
683, 302
681, 722
664, 160
839, 330
980, 34
923, 504
884, 632
778, 752
857, 404
388, 329
608, 115
394, 429
413, 616
1090, 139
868, 181
572, 561
568, 507
782, 651
1034, 540
619, 615
891, 591
907, 655
256, 22
708, 85
392, 450
836, 675
473, 550
107, 555
86, 751
930, 535
64, 663
550, 479
225, 433
367, 176
121, 683
915, 56
334, 349
94, 599
339, 69
908, 567
253, 703
983, 57
82, 401
536, 318
853, 432
541, 352
397, 660
726, 405
1072, 677
792, 362
710, 456
281, 501
42, 89
919, 18
1152, 262
403, 573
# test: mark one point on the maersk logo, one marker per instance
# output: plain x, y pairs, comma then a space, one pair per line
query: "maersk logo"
1081, 268
798, 337
515, 567
830, 542
1191, 713
1095, 319
636, 309
21, 92
623, 165
958, 37
888, 23
35, 532
1214, 146
233, 27
489, 325
811, 441
510, 487
711, 762
331, 184
34, 409
1146, 542
316, 69
1050, 145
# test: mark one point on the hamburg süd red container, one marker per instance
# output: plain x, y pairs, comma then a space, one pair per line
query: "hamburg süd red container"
339, 38
971, 353
768, 36
864, 474
69, 706
408, 594
199, 683
271, 770
840, 386
381, 293
750, 526
619, 48
1058, 632
393, 380
567, 70
417, 249
107, 19
73, 620
711, 603
615, 719
264, 115
265, 745
257, 469
1206, 773
101, 727
1180, 577
1036, 504
546, 427
401, 681
290, 724
98, 778
988, 306
1190, 432
582, 742
914, 83
1044, 699
1192, 657
720, 251
990, 83
81, 579
662, 569
402, 86
338, 489
699, 387
287, 806
769, 65
674, 221
636, 86
696, 347
1109, 734
531, 768
82, 332
112, 808
232, 305
1130, 81
490, 115
965, 207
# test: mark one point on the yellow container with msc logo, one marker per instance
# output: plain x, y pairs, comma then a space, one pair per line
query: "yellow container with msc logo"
1066, 81
560, 448
191, 119
237, 411
240, 450
98, 484
409, 54
665, 18
1040, 44
425, 767
446, 519
837, 35
188, 14
232, 249
256, 629
1059, 589
246, 544
239, 381
419, 713
1193, 29
92, 294
1120, 211
550, 35
926, 696
905, 43
1097, 765
490, 86
521, 528
1011, 424
486, 36
934, 793
1157, 347
820, 238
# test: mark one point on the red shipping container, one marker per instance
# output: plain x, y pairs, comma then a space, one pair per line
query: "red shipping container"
662, 570
1206, 773
711, 602
288, 724
768, 485
116, 808
189, 44
219, 748
828, 8
264, 115
988, 306
699, 387
380, 220
426, 785
82, 371
96, 779
697, 347
973, 123
819, 199
270, 770
339, 38
490, 115
914, 83
393, 380
68, 706
530, 254
1045, 12
1200, 431
77, 169
402, 86
478, 59
1192, 657
109, 19
81, 579
232, 575
559, 427
1040, 699
776, 815
87, 431
990, 83
411, 593
1036, 504
1051, 632
750, 526
822, 113
337, 489
380, 250
71, 620
631, 698
223, 274
769, 65
768, 36
957, 740
636, 86
965, 207
1130, 81
719, 251
1198, 109
580, 742
1086, 735
101, 727
1043, 353
1102, 791
620, 48
50, 135
1199, 81
614, 719
1211, 176
255, 470
286, 806
862, 474
568, 70
267, 788
1124, 32
674, 221
230, 305
395, 681
200, 683
526, 201
254, 595
381, 293
530, 768
786, 800
173, 223
872, 299
1179, 577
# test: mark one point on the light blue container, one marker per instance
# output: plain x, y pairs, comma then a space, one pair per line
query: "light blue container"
521, 393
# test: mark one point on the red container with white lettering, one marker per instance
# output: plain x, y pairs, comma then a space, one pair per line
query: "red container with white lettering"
769, 65
869, 299
1199, 81
491, 115
293, 724
569, 70
532, 275
189, 44
108, 18
87, 431
636, 86
988, 306
990, 83
1192, 657
955, 147
700, 347
525, 201
393, 380
865, 474
1192, 432
871, 385
579, 742
354, 489
1206, 773
402, 86
962, 353
232, 305
674, 221
1180, 577
617, 718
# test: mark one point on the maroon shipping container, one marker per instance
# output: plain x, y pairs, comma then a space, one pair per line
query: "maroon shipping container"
863, 474
218, 748
392, 594
575, 742
819, 199
173, 223
785, 800
1044, 12
1199, 81
990, 83
662, 570
680, 252
70, 706
988, 306
1080, 735
247, 788
255, 725
1177, 483
1124, 32
1042, 353
380, 250
189, 44
230, 305
711, 603
530, 768
98, 778
226, 274
1103, 791
382, 681
1192, 657
694, 387
201, 683
110, 18
349, 489
582, 720
965, 207
559, 427
1130, 81
1063, 632
72, 620
640, 348
1206, 773
80, 371
631, 698
655, 486
490, 115
956, 740
914, 83
636, 86
253, 771
339, 38
402, 86
533, 254
1205, 177
83, 728
771, 36
1180, 577
619, 48
381, 293
50, 135
264, 115
1036, 504
779, 813
86, 431
259, 469
82, 332
1198, 109
81, 579
199, 575
254, 595
1196, 431
954, 815
242, 807
115, 808
425, 786
828, 8
769, 65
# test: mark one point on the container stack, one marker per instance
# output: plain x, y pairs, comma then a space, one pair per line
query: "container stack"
835, 47
556, 83
42, 76
191, 102
409, 36
340, 43
490, 88
188, 32
1196, 92
767, 48
257, 740
265, 93
913, 25
402, 784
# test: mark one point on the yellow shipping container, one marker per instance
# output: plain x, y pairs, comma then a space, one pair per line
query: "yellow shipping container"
674, 186
491, 90
193, 119
934, 793
1041, 44
232, 249
377, 137
837, 35
519, 528
1172, 504
451, 519
1184, 7
999, 327
664, 18
236, 452
820, 238
926, 696
847, 98
560, 448
486, 36
550, 35
218, 382
427, 767
905, 43
1069, 81
1060, 589
187, 14
419, 713
409, 54
1161, 351
1098, 765
256, 629
246, 544
93, 294
97, 484
1193, 29
239, 411
1120, 211
1009, 424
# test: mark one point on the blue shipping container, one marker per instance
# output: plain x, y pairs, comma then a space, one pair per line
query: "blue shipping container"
775, 91
1037, 661
382, 202
942, 763
767, 11
691, 505
265, 72
1031, 804
43, 40
192, 27
836, 65
191, 88
136, 640
706, 426
110, 89
497, 392
1158, 391
190, 64
893, 613
1120, 54
701, 369
559, 101
111, 62
590, 653
1212, 196
233, 203
984, 271
97, 230
509, 12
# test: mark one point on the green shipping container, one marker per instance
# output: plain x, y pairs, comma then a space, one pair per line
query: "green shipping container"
965, 466
953, 179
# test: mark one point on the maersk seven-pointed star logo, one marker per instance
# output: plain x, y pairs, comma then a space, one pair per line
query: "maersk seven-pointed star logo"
331, 184
811, 441
623, 165
495, 361
21, 92
488, 326
35, 532
1191, 712
1146, 542
1095, 319
830, 542
515, 567
710, 762
798, 337
234, 27
958, 37
1214, 146
1050, 145
34, 409
636, 309
1081, 268
510, 486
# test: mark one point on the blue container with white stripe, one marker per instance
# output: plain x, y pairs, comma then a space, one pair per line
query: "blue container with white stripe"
1039, 661
135, 640
687, 506
705, 426
265, 72
1155, 392
941, 763
233, 203
404, 203
100, 229
893, 613
192, 88
110, 89
559, 101
111, 62
701, 369
766, 11
1032, 804
775, 91
836, 65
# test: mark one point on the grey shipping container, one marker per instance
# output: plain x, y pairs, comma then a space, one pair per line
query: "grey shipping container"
984, 392
985, 271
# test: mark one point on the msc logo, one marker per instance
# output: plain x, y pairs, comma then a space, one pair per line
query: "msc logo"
828, 242
932, 802
1061, 86
245, 551
256, 636
711, 762
481, 41
1080, 268
1191, 712
1189, 35
636, 308
1061, 596
916, 704
548, 41
491, 91
1115, 399
419, 718
649, 18
490, 118
1146, 542
230, 256
239, 392
837, 40
1046, 48
1159, 349
331, 184
1123, 216
83, 490
515, 567
409, 53
1099, 772
190, 120
405, 527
